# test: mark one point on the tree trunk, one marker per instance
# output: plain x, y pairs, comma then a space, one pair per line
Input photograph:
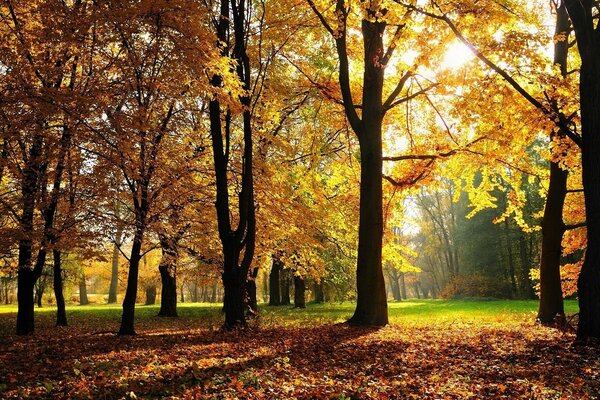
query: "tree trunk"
168, 277
251, 294
114, 276
25, 314
241, 239
128, 317
61, 313
285, 287
150, 295
168, 294
588, 284
274, 293
525, 286
39, 292
299, 292
551, 297
318, 292
371, 305
403, 286
393, 278
83, 297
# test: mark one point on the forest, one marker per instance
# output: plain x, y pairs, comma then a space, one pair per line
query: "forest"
299, 199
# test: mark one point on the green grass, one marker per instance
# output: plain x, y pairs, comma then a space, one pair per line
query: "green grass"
411, 312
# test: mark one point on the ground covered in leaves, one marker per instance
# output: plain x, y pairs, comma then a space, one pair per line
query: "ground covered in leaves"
297, 354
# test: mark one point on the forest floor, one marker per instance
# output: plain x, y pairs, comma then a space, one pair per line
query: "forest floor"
431, 349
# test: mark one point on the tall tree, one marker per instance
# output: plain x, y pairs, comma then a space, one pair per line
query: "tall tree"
583, 14
238, 243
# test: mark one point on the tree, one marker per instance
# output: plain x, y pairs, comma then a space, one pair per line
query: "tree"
587, 33
238, 243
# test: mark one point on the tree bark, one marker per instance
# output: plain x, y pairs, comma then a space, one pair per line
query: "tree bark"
588, 42
274, 278
299, 292
371, 305
128, 316
285, 287
551, 296
61, 313
318, 292
83, 297
150, 295
114, 276
242, 238
168, 277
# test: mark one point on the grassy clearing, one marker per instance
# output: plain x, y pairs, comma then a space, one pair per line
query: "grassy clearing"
411, 312
433, 349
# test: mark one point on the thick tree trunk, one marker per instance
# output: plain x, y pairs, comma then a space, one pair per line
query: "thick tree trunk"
299, 292
588, 42
168, 277
551, 296
61, 313
285, 287
150, 295
25, 314
274, 293
588, 284
371, 305
168, 294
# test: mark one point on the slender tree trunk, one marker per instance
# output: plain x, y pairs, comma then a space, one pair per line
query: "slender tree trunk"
299, 292
114, 276
403, 286
61, 313
251, 294
128, 317
274, 293
39, 293
525, 286
395, 286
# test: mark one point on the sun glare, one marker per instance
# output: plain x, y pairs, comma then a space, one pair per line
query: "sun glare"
457, 55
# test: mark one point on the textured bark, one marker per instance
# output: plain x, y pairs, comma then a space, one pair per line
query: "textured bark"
588, 43
168, 276
128, 316
371, 305
318, 292
83, 297
551, 296
114, 275
274, 277
61, 313
285, 282
299, 292
150, 295
241, 239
